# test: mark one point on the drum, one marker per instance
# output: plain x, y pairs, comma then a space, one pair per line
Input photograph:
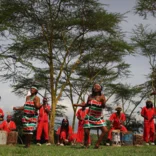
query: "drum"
116, 138
127, 138
12, 137
3, 137
138, 139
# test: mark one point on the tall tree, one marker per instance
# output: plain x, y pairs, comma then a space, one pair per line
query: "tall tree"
144, 39
104, 63
48, 39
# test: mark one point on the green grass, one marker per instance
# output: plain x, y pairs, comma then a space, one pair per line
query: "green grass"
53, 150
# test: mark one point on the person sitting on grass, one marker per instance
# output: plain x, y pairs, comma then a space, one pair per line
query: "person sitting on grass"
65, 134
117, 119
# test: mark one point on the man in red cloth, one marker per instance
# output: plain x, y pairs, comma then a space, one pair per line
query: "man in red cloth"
1, 114
117, 119
81, 113
43, 125
148, 114
8, 125
65, 133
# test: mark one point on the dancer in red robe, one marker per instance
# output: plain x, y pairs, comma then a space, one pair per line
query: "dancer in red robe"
117, 120
8, 125
65, 133
81, 113
148, 114
43, 125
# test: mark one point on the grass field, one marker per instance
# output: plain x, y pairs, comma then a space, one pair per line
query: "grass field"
53, 150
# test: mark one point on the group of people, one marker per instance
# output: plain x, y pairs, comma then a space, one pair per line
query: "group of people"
89, 118
92, 117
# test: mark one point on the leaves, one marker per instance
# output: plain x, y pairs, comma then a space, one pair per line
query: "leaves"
144, 7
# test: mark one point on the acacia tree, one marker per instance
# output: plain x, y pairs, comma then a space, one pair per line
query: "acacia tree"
47, 41
144, 39
99, 64
144, 7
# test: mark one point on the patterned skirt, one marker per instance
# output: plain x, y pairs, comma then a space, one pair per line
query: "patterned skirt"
92, 122
29, 124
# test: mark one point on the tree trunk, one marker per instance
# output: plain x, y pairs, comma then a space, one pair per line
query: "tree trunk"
52, 123
74, 117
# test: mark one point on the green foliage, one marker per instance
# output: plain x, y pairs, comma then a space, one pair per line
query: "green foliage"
144, 39
144, 7
53, 43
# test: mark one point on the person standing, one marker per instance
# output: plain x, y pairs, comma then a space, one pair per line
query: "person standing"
81, 114
8, 125
148, 114
117, 119
94, 119
43, 123
30, 114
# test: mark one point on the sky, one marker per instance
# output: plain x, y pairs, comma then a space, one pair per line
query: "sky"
139, 65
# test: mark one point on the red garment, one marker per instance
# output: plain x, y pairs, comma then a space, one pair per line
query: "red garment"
63, 134
43, 123
42, 126
8, 126
43, 115
1, 113
80, 133
117, 123
149, 128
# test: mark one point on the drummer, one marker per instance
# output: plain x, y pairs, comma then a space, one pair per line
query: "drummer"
8, 125
117, 119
